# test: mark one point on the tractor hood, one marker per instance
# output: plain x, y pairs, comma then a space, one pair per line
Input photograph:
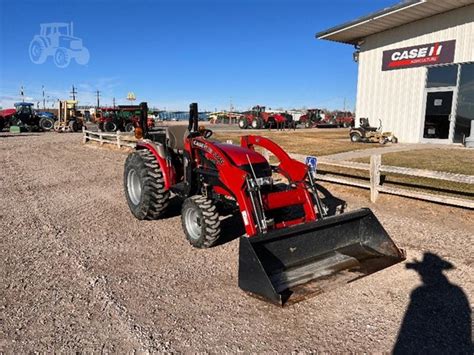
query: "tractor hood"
239, 155
7, 112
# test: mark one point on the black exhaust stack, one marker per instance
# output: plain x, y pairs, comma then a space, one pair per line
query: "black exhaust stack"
193, 117
144, 118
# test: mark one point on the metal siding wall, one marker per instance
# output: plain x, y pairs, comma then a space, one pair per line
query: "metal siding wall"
396, 97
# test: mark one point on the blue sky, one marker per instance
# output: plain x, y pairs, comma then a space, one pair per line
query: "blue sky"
170, 53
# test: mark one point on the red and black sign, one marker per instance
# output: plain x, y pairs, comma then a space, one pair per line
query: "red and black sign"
418, 56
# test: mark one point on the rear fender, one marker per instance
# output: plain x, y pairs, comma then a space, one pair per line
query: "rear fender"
169, 173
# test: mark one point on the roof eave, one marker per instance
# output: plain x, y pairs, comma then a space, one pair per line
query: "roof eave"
365, 19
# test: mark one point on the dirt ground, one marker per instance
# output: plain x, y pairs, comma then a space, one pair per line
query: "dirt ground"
78, 272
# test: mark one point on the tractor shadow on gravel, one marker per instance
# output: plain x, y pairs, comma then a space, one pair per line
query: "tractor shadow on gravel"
438, 318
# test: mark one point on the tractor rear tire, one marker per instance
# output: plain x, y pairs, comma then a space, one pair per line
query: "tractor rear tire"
243, 123
110, 127
73, 126
2, 124
200, 221
46, 124
144, 186
356, 137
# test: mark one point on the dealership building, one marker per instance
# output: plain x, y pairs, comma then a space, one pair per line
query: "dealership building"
416, 69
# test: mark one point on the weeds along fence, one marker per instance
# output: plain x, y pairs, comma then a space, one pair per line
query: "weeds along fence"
377, 172
120, 139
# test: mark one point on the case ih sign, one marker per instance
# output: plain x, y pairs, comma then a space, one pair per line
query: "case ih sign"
418, 56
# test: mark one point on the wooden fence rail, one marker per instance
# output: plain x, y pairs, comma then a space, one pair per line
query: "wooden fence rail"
118, 138
377, 170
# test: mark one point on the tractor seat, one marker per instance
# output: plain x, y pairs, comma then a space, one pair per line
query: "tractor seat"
175, 136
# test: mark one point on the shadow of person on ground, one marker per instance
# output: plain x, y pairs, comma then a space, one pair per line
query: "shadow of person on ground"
438, 318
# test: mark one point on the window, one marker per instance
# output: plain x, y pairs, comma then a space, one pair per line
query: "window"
465, 110
442, 76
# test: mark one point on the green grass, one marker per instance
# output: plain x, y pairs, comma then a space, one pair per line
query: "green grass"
452, 160
316, 142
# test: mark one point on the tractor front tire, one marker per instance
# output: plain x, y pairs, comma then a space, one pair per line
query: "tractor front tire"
129, 127
243, 124
73, 126
144, 186
110, 127
200, 221
62, 57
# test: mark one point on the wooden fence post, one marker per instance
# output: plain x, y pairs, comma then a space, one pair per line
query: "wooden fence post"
84, 138
118, 139
375, 163
101, 139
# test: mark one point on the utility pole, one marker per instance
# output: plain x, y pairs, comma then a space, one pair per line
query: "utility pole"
44, 102
98, 100
113, 100
73, 93
344, 104
22, 93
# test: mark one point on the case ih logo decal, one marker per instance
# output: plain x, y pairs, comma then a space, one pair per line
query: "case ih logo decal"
418, 56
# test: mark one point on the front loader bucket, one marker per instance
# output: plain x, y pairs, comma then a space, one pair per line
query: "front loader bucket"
311, 258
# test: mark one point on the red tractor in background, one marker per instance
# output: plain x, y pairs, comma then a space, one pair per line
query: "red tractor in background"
290, 240
344, 119
121, 118
312, 117
319, 118
258, 118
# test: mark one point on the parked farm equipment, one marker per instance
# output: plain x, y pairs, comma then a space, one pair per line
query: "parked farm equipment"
366, 133
24, 118
122, 117
321, 119
68, 120
290, 241
258, 118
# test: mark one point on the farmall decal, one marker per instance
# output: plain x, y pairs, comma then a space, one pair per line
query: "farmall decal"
418, 56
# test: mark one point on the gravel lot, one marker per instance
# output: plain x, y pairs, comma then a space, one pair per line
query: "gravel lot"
78, 272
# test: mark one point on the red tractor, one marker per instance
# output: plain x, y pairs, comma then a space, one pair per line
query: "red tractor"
289, 238
121, 118
312, 117
258, 118
344, 119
